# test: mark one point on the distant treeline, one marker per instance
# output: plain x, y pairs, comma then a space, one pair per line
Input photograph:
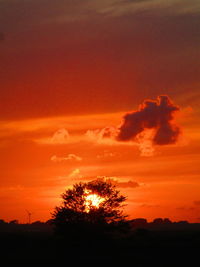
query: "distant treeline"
138, 223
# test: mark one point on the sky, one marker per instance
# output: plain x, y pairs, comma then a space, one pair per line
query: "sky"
100, 89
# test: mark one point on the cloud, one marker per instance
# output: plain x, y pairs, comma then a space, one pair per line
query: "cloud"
128, 184
157, 115
122, 184
69, 157
144, 141
75, 174
60, 137
106, 135
152, 124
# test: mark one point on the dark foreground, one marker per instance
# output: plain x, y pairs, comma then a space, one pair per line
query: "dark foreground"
147, 246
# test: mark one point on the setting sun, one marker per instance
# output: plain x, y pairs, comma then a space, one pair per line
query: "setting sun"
92, 200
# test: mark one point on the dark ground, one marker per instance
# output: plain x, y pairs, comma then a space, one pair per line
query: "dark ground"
144, 245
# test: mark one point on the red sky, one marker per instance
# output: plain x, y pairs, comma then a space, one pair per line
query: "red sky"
69, 68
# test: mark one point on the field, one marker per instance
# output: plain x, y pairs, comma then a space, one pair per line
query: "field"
150, 245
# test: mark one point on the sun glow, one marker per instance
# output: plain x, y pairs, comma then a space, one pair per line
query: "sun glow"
92, 200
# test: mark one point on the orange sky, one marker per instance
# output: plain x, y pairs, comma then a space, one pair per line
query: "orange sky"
70, 69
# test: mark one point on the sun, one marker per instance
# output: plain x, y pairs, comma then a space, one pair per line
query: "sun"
92, 200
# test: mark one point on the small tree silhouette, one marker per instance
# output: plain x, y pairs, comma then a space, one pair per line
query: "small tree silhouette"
92, 205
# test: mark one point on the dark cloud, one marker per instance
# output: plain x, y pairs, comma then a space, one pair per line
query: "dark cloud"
129, 184
118, 183
152, 114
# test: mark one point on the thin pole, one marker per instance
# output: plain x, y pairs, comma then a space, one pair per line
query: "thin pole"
29, 216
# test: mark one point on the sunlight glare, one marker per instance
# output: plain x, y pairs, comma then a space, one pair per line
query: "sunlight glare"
92, 200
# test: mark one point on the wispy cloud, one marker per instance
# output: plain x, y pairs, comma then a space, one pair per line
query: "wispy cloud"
72, 11
102, 136
75, 174
69, 157
60, 137
118, 8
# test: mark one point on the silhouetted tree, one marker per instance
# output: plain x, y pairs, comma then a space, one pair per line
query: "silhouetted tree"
14, 222
138, 222
2, 222
90, 205
167, 221
158, 221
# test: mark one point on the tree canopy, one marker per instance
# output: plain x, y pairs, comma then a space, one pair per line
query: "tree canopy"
96, 202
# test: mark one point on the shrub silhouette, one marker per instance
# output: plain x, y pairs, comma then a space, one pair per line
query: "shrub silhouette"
91, 206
